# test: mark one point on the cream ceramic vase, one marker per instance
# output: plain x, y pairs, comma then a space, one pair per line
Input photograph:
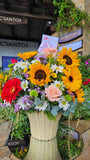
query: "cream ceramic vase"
41, 127
43, 150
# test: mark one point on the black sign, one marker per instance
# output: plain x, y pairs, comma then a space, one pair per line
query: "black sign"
70, 36
13, 20
15, 143
13, 44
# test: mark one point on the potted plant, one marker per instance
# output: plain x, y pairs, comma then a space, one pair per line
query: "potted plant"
45, 85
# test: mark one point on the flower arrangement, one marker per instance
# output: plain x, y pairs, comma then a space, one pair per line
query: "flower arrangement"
48, 81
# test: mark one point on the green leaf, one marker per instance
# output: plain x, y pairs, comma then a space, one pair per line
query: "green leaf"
43, 97
37, 101
48, 107
56, 108
66, 113
72, 109
54, 112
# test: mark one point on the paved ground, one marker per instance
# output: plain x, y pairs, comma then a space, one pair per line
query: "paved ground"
85, 155
83, 128
5, 153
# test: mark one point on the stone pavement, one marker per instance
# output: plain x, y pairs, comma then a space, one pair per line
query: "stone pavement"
5, 153
83, 128
85, 155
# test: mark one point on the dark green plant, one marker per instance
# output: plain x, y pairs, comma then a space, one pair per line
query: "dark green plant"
83, 110
20, 125
20, 152
20, 122
76, 146
84, 68
68, 15
5, 114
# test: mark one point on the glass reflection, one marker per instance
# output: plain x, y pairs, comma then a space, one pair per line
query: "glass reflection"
43, 150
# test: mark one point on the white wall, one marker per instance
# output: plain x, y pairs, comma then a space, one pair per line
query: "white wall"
13, 47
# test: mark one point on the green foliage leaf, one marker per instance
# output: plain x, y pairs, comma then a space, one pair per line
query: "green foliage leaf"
50, 116
43, 97
66, 113
37, 101
54, 112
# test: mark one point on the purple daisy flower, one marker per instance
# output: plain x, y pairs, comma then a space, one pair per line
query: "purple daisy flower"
42, 59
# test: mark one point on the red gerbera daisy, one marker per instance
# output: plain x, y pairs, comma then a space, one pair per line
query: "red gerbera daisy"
11, 89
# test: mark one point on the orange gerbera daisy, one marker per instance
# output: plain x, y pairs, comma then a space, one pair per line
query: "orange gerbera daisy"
69, 58
39, 73
27, 55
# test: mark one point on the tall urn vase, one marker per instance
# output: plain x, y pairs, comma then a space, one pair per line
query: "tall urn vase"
41, 127
43, 144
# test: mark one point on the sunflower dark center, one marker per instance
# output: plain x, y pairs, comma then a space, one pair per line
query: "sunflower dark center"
40, 74
68, 60
70, 78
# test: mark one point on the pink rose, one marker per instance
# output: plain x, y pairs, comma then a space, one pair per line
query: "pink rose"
50, 51
53, 93
13, 61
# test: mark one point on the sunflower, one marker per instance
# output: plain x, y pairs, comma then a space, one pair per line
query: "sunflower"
39, 74
27, 55
72, 79
79, 95
69, 58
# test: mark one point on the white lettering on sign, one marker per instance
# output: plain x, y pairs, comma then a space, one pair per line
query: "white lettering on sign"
14, 44
10, 19
13, 143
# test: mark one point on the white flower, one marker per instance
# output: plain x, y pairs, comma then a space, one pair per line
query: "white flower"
7, 103
21, 65
63, 104
21, 104
35, 61
42, 107
59, 84
24, 85
57, 68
